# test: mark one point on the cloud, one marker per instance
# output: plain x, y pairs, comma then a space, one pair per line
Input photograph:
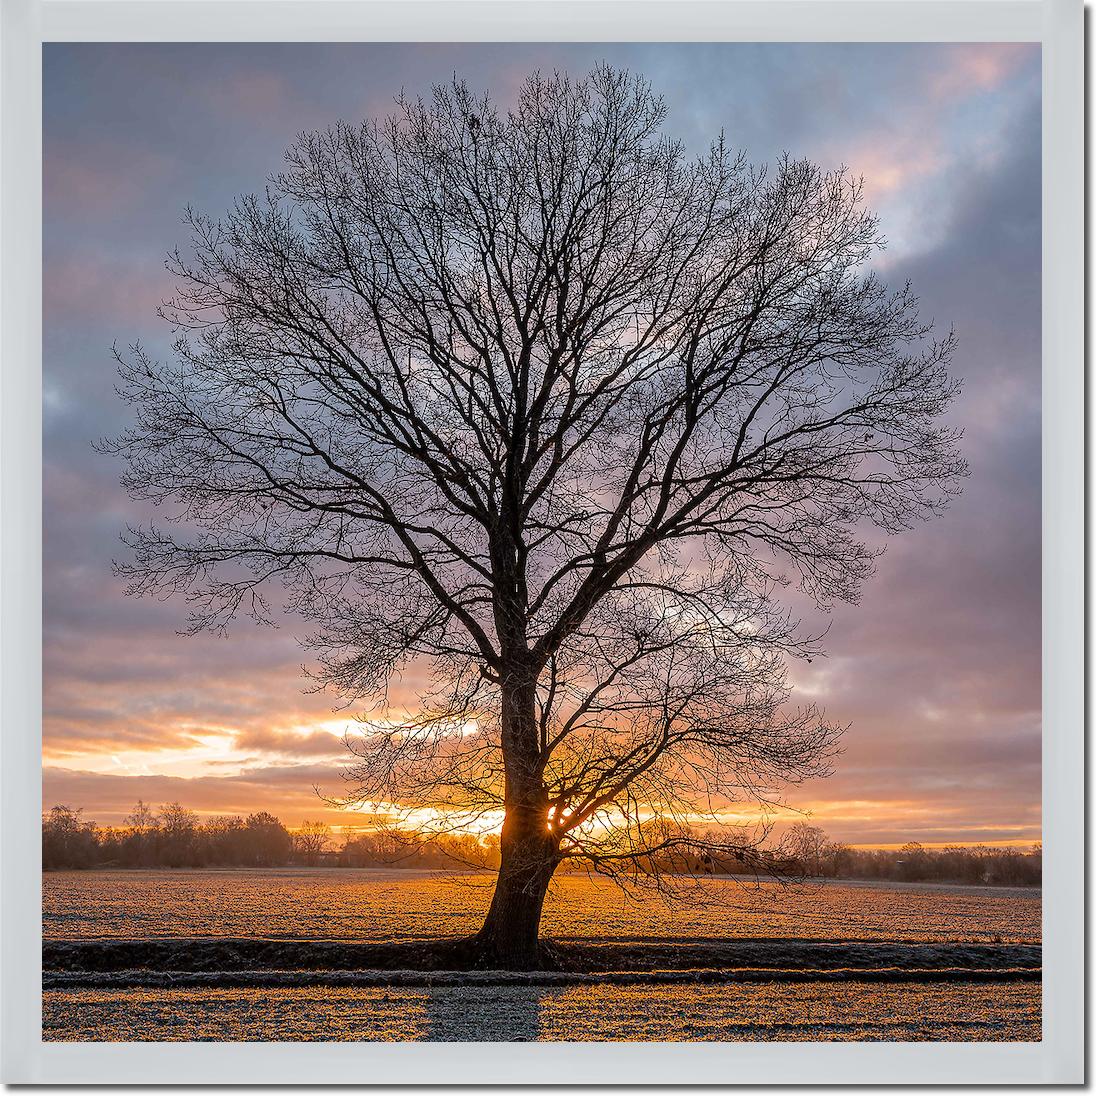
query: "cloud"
978, 67
104, 287
292, 743
937, 671
251, 92
286, 791
97, 178
889, 163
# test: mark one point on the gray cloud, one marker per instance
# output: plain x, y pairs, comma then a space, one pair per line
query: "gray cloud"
937, 671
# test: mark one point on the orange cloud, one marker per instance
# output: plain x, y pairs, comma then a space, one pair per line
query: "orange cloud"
889, 162
978, 66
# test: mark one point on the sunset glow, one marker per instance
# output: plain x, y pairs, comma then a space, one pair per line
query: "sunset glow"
936, 671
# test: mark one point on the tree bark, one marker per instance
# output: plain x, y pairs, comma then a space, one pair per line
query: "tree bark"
509, 938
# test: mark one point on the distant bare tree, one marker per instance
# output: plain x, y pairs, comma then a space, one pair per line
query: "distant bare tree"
311, 841
806, 844
533, 397
142, 820
176, 831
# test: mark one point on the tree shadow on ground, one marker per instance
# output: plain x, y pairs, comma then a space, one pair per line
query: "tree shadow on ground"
484, 1013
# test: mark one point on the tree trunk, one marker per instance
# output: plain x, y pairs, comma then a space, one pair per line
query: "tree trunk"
509, 938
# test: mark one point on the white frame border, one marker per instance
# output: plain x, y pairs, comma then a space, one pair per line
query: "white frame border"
1057, 24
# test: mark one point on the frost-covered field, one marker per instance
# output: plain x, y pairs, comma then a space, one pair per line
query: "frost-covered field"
833, 1012
364, 904
900, 928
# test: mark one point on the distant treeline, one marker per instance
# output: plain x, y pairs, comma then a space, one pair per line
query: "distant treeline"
807, 850
1008, 867
173, 837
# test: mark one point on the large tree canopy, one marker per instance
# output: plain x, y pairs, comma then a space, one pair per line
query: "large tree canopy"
536, 398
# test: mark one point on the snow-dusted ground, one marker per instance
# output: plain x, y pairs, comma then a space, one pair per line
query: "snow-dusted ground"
366, 904
332, 955
829, 1012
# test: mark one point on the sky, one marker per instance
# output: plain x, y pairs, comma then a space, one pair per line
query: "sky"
937, 670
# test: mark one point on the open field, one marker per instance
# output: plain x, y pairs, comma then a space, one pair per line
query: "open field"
369, 904
846, 1011
342, 954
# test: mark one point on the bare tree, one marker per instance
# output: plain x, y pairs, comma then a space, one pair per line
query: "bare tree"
535, 398
807, 845
311, 841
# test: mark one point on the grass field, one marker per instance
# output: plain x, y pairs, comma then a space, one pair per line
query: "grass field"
336, 955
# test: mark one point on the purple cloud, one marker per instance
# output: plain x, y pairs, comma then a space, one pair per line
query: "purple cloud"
937, 671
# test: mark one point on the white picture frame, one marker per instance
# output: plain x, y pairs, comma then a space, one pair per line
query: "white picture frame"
1057, 24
